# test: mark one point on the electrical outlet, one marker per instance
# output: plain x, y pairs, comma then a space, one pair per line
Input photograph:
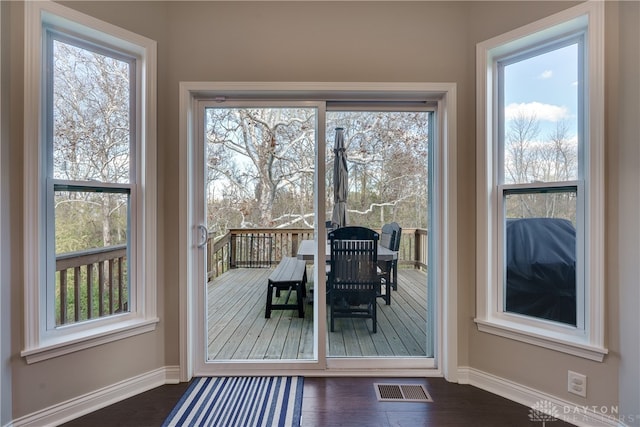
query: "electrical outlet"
577, 383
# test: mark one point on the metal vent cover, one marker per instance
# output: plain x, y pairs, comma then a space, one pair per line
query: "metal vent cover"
402, 393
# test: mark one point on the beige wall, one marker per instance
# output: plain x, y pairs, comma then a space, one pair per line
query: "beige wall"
547, 370
624, 199
43, 384
5, 339
526, 364
335, 42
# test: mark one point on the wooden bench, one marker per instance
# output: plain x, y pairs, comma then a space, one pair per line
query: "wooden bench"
289, 275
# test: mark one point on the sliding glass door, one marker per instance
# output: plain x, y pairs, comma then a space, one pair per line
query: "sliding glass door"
264, 173
258, 192
386, 148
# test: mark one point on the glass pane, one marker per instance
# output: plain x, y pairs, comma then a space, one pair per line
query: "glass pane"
541, 118
387, 167
259, 184
91, 232
92, 119
259, 167
387, 157
540, 255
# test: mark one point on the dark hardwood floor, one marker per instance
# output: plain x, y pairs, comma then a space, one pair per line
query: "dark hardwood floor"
345, 402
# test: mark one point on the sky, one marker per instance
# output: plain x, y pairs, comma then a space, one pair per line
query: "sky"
546, 84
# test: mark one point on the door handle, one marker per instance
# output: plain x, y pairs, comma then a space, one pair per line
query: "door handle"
203, 236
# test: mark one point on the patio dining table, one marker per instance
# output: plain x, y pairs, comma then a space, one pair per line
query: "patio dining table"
306, 251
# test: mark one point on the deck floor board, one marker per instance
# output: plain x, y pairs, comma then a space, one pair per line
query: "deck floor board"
238, 330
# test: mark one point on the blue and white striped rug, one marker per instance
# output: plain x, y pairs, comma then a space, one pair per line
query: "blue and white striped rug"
239, 401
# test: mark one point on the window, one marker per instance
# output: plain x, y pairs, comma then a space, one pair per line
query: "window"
540, 193
90, 150
89, 171
540, 147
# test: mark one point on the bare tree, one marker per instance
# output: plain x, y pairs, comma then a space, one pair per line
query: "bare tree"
91, 142
388, 157
564, 153
261, 166
263, 154
520, 157
529, 159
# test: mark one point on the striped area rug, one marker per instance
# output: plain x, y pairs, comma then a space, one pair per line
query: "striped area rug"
239, 401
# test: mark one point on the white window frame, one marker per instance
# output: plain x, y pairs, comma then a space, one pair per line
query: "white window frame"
587, 338
42, 341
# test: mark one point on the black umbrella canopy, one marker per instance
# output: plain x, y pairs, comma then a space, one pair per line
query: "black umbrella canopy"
340, 181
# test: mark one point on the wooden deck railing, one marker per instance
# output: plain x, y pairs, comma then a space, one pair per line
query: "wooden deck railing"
252, 247
91, 284
414, 248
265, 247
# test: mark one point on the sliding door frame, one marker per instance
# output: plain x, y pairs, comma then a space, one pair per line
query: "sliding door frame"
445, 289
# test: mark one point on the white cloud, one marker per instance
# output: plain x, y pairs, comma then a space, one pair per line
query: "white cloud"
546, 74
547, 112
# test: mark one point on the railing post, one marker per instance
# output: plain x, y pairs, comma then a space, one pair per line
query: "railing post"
101, 284
425, 261
111, 278
120, 285
294, 244
232, 251
417, 243
63, 297
76, 293
209, 253
89, 291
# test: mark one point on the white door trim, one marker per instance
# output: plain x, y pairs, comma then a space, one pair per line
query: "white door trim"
446, 285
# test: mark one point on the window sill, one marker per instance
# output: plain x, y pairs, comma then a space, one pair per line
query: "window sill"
49, 350
541, 338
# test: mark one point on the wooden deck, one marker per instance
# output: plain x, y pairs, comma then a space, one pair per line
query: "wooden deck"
238, 329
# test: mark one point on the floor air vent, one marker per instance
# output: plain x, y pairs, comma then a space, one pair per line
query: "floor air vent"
402, 393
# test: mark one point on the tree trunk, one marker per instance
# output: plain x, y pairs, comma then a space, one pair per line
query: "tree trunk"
106, 221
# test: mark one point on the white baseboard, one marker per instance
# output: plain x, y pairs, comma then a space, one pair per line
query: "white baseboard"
90, 402
98, 399
564, 410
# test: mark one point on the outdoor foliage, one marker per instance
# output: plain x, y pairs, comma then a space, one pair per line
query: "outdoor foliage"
90, 144
388, 157
91, 136
260, 167
531, 157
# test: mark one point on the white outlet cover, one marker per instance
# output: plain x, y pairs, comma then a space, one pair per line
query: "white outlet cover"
577, 384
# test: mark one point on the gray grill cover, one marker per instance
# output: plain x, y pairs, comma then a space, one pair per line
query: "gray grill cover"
541, 268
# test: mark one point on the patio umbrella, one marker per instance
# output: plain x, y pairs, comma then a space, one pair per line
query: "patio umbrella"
340, 181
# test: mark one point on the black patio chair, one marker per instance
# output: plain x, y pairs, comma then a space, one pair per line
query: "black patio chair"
390, 239
330, 226
354, 282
